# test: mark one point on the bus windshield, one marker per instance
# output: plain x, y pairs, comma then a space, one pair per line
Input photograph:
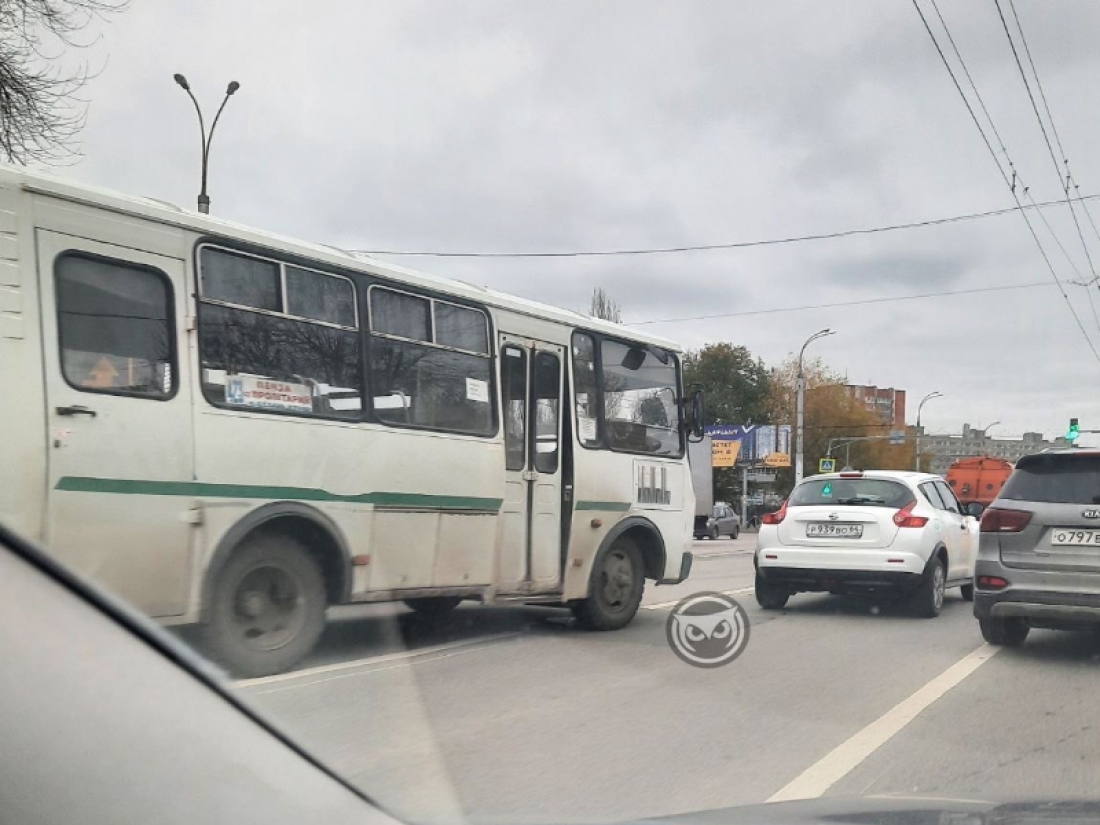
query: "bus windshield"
640, 399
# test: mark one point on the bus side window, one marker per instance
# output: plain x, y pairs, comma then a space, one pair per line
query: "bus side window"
584, 388
513, 379
115, 323
547, 386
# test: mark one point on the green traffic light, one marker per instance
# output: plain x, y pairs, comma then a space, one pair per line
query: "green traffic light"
1074, 431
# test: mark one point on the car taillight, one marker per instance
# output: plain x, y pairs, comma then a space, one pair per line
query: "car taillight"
1000, 520
776, 517
905, 518
992, 582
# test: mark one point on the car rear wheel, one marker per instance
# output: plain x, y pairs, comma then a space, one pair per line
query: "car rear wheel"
736, 532
928, 598
713, 535
1009, 632
967, 591
770, 597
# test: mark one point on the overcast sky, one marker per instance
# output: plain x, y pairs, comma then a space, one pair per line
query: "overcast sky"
522, 126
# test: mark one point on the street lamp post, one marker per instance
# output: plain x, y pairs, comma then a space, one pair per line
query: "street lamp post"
204, 199
920, 406
800, 403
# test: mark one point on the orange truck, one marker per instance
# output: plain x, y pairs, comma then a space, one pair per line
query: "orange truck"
978, 479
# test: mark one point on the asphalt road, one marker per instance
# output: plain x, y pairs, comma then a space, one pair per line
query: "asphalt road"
514, 715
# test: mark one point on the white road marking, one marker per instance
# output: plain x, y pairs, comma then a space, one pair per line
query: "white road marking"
835, 765
666, 605
367, 662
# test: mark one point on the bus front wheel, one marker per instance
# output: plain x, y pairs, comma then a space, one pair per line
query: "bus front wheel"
267, 608
616, 589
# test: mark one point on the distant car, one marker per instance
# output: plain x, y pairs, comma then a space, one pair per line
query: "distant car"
877, 531
1039, 554
724, 520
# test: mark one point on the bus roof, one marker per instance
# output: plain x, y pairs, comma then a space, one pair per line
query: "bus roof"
167, 213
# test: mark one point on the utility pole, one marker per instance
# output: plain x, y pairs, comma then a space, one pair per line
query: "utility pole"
800, 404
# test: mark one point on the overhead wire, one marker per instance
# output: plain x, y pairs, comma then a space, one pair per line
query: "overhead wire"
836, 304
666, 250
1009, 183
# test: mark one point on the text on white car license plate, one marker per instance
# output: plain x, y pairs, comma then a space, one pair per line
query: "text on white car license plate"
851, 531
1075, 537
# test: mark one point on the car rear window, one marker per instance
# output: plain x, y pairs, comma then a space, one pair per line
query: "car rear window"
1059, 477
854, 492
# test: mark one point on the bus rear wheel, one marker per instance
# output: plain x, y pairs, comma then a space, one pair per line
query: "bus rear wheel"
267, 608
616, 591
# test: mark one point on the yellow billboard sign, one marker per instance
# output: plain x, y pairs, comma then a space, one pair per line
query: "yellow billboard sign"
777, 460
724, 453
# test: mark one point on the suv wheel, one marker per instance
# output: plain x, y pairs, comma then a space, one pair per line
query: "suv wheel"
1009, 632
928, 599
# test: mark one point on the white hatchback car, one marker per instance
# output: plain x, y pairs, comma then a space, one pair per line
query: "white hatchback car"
876, 531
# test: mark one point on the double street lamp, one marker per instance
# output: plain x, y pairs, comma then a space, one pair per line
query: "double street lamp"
920, 406
204, 199
801, 405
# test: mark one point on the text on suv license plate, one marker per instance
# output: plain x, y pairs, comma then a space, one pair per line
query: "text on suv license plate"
1064, 536
818, 528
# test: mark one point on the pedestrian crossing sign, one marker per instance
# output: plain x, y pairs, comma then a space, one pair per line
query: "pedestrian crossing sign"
826, 465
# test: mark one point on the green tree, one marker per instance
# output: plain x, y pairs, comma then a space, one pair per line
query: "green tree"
734, 383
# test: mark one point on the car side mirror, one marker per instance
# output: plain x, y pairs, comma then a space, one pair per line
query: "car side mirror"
975, 509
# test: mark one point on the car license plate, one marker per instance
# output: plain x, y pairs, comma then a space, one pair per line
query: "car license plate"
848, 531
1065, 537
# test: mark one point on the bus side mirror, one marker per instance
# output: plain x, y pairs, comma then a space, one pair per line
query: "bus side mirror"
695, 417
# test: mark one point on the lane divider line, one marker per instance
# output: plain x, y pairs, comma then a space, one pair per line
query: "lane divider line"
835, 765
367, 662
667, 605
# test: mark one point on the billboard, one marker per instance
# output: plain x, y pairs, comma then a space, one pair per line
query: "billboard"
759, 445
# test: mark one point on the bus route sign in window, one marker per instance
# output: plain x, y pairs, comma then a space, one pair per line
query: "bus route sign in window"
297, 352
114, 321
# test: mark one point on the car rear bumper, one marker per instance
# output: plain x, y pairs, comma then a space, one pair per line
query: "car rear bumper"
1043, 597
834, 580
878, 560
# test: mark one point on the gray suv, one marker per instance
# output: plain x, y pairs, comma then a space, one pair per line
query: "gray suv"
1039, 554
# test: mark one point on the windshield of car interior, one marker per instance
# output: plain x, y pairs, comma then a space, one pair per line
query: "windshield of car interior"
447, 395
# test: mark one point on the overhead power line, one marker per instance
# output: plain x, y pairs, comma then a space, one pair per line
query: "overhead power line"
667, 250
835, 304
1011, 184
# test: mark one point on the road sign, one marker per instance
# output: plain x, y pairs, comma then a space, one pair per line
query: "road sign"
826, 465
897, 436
724, 453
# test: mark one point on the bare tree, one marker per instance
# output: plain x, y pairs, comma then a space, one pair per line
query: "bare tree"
603, 307
39, 113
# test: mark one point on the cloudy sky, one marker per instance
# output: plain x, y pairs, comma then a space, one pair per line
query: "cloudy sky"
575, 126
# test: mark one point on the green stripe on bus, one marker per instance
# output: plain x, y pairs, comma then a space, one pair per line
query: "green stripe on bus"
614, 506
129, 487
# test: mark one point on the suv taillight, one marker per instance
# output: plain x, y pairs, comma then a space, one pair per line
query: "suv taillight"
905, 518
776, 517
1000, 520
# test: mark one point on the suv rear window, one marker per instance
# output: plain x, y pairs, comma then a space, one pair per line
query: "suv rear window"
858, 492
1059, 477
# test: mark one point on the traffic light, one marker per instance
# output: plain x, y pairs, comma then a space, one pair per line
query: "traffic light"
1074, 431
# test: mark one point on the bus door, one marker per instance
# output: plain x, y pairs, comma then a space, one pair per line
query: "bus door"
118, 394
531, 393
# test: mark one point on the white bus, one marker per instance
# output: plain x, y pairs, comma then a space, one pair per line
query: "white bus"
232, 429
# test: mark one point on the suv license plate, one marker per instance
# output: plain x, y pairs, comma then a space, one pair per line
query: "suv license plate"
850, 531
1065, 537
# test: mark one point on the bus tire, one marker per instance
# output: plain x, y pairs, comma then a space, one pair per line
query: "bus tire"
267, 606
433, 605
616, 590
